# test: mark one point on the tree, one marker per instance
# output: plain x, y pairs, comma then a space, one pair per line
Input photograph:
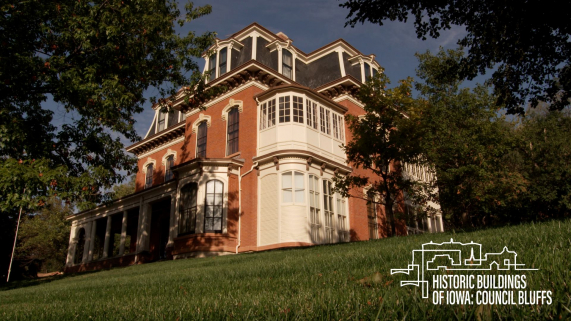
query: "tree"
95, 58
527, 42
546, 153
125, 189
44, 236
479, 174
383, 139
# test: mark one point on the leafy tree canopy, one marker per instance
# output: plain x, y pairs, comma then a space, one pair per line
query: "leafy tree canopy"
95, 58
382, 140
125, 189
526, 41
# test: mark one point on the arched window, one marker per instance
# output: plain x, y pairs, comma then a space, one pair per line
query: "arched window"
222, 61
187, 209
201, 140
80, 246
233, 129
287, 64
168, 165
328, 211
149, 176
213, 206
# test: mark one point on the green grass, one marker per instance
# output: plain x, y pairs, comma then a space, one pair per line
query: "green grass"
335, 282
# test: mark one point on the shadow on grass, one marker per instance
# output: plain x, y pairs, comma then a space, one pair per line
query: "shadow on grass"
16, 284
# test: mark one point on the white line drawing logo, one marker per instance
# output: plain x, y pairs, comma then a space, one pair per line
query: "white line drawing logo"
448, 255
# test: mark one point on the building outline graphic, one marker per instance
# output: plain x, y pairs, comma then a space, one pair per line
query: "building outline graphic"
475, 262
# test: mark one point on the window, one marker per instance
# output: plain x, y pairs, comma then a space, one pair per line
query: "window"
222, 61
149, 176
201, 140
327, 125
168, 172
367, 68
341, 219
233, 129
314, 208
284, 110
213, 206
338, 127
188, 200
375, 72
309, 113
328, 210
297, 109
293, 188
268, 114
212, 66
322, 118
162, 117
372, 215
335, 127
287, 64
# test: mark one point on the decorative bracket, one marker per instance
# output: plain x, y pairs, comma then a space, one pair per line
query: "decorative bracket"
277, 163
308, 163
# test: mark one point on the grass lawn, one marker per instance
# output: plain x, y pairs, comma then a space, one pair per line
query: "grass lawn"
335, 282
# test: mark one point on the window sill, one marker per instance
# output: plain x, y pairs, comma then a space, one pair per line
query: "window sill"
233, 155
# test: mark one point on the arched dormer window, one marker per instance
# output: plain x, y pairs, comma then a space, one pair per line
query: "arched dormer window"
213, 206
222, 61
169, 163
201, 140
233, 131
149, 176
162, 121
287, 63
212, 66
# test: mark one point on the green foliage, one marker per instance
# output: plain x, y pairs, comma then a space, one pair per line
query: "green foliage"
44, 236
545, 149
384, 138
527, 42
95, 58
332, 282
470, 146
124, 189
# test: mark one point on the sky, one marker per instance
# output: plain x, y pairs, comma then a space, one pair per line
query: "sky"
311, 24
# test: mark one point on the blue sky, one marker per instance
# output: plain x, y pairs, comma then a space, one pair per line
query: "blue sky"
310, 24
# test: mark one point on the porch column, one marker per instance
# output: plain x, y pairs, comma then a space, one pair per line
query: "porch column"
72, 245
143, 233
123, 233
91, 241
173, 221
429, 224
107, 238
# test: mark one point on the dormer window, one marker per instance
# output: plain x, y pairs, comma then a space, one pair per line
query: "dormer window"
287, 64
367, 72
222, 61
375, 72
212, 66
162, 117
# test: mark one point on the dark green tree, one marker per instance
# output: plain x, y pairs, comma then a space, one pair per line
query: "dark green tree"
544, 145
527, 42
96, 59
382, 140
472, 148
44, 236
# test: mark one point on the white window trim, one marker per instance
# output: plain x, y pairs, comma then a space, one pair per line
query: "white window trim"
167, 154
199, 120
231, 104
147, 163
